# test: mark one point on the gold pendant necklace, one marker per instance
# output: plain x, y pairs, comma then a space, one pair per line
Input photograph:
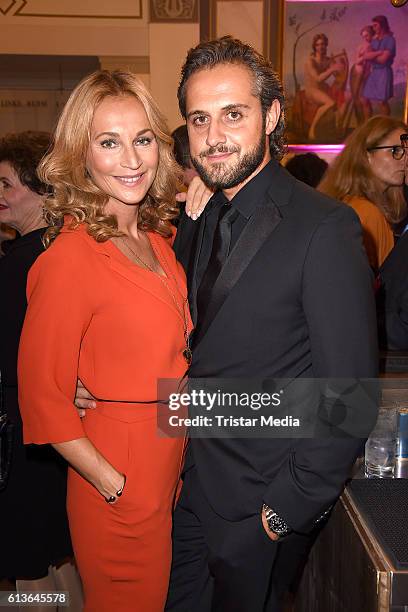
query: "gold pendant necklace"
187, 352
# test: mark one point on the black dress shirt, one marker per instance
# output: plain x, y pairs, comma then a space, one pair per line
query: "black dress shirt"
245, 202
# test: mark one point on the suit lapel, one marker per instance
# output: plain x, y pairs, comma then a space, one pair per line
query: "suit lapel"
258, 229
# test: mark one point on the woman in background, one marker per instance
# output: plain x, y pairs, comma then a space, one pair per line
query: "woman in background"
35, 539
108, 304
368, 175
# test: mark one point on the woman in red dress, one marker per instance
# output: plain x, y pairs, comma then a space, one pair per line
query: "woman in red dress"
107, 303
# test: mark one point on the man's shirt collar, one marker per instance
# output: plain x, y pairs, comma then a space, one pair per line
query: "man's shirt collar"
247, 198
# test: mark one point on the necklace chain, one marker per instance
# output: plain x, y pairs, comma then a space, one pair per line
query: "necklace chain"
187, 354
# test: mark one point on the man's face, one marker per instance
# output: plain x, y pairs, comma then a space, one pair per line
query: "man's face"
226, 129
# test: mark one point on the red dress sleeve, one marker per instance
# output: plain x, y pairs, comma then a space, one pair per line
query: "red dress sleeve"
58, 314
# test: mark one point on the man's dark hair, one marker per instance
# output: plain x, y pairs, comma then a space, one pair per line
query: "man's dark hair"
181, 147
228, 50
24, 151
308, 168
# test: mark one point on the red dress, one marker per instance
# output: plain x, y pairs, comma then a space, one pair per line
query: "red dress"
95, 315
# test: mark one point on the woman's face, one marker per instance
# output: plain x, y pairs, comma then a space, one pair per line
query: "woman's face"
19, 206
123, 153
366, 35
389, 171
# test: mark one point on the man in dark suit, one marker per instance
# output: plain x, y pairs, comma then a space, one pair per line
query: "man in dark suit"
279, 287
392, 297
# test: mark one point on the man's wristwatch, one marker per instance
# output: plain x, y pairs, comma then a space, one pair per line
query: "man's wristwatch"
275, 522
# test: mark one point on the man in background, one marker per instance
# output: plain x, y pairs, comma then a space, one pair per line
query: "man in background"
181, 151
392, 296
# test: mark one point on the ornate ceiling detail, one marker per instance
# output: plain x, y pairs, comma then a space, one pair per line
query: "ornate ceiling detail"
173, 10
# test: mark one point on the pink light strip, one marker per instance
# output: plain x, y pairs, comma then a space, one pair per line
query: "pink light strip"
316, 148
343, 1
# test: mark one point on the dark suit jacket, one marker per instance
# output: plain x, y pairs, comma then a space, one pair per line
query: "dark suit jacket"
392, 299
294, 299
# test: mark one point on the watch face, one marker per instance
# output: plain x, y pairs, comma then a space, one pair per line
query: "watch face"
277, 525
275, 522
278, 528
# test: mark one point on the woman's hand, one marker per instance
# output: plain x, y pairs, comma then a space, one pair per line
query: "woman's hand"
196, 198
110, 482
92, 465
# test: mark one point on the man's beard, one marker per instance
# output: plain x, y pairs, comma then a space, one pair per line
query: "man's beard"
220, 176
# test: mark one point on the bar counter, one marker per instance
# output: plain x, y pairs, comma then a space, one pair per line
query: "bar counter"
351, 567
359, 562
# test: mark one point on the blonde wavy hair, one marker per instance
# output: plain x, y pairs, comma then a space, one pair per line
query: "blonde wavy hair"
64, 167
351, 175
